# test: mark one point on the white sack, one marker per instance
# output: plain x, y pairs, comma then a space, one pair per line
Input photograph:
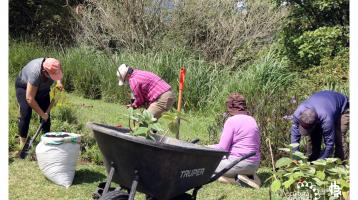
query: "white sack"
58, 162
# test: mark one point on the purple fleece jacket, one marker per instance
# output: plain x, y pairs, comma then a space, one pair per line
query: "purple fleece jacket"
241, 136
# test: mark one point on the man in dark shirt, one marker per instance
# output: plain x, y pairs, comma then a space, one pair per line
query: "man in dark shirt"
324, 114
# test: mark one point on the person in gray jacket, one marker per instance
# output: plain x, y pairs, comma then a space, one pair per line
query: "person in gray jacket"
33, 86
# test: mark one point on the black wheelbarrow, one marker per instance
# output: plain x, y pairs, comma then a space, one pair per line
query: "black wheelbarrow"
163, 169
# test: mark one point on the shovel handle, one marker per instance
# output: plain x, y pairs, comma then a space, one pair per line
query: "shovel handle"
181, 88
28, 144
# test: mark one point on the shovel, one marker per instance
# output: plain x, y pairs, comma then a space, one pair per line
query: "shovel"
28, 144
181, 88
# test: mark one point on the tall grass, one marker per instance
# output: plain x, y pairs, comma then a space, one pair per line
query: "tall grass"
92, 74
264, 84
22, 52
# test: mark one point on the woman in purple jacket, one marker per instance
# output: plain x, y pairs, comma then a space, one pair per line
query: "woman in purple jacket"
239, 137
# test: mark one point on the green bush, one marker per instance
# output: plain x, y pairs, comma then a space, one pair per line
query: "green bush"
319, 174
324, 42
332, 74
50, 22
314, 29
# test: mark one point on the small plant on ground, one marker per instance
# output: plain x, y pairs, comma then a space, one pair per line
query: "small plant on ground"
323, 178
144, 124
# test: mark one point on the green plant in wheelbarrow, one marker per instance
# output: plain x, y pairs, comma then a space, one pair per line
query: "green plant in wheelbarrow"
320, 179
143, 124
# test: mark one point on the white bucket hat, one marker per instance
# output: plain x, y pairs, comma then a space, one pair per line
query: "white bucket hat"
121, 73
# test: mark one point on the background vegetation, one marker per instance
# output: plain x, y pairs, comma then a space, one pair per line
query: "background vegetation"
276, 53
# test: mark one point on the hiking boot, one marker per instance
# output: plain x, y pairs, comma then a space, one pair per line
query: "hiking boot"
251, 180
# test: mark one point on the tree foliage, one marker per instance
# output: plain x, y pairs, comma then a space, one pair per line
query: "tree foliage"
314, 30
216, 30
48, 21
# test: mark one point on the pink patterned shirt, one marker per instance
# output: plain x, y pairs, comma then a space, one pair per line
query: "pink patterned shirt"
146, 87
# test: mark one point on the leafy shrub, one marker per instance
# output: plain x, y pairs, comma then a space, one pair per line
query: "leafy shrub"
332, 74
324, 42
48, 21
64, 126
215, 129
310, 24
320, 173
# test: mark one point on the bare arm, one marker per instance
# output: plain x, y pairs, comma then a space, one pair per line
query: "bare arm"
31, 92
59, 85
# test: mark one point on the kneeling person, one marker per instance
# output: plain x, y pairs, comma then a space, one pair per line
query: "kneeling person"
240, 136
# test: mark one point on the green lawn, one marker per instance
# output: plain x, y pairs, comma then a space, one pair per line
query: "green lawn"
114, 114
26, 181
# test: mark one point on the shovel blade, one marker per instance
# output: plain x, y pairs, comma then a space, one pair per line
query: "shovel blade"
25, 150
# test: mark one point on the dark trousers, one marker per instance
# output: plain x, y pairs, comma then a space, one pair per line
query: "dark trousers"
342, 139
341, 143
26, 111
314, 142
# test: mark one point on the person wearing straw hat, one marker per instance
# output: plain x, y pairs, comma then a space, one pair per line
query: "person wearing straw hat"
240, 136
324, 114
148, 89
33, 85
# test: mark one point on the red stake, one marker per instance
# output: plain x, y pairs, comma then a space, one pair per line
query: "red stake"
181, 88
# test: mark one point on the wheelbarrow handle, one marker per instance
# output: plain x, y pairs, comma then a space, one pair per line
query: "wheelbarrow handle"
232, 164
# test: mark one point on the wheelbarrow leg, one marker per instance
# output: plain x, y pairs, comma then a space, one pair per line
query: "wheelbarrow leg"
195, 192
134, 185
109, 180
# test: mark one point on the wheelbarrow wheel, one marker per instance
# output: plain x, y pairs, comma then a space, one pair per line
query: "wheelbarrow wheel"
115, 195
